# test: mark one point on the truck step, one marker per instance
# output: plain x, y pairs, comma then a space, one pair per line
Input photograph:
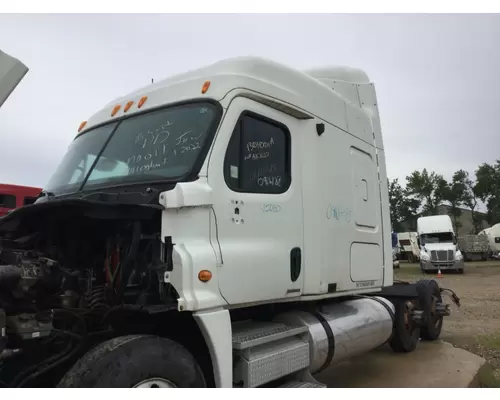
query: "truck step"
267, 351
248, 334
270, 361
301, 384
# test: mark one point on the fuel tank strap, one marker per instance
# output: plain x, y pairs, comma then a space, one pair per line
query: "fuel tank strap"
391, 313
331, 339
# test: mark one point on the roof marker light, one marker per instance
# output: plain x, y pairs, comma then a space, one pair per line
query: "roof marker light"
142, 101
115, 110
82, 125
127, 106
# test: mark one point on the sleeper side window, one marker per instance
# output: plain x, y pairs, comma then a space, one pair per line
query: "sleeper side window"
258, 156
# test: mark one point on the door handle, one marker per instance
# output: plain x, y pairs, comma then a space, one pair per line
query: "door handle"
295, 263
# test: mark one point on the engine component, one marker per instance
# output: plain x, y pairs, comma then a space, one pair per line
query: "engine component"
29, 326
3, 339
67, 278
9, 353
10, 275
338, 331
26, 274
97, 297
69, 299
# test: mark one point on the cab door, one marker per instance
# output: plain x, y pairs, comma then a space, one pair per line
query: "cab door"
254, 170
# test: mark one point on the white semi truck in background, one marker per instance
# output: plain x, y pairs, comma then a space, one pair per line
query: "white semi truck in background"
226, 227
438, 244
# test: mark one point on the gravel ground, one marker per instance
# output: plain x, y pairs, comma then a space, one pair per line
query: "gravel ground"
475, 326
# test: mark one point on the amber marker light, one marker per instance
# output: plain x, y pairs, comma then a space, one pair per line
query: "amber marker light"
205, 87
127, 106
204, 275
142, 101
115, 110
82, 125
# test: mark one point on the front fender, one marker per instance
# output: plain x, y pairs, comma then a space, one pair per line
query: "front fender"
216, 328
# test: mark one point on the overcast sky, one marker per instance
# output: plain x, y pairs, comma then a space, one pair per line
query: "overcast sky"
437, 76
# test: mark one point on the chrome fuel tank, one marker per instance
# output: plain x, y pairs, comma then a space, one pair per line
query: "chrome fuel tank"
357, 326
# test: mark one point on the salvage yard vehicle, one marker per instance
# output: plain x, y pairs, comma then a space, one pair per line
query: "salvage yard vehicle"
226, 227
493, 235
474, 247
409, 246
395, 248
438, 244
14, 196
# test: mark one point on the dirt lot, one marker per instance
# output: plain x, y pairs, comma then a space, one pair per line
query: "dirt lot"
475, 326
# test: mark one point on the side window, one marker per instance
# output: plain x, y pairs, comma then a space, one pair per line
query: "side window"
497, 239
7, 201
258, 156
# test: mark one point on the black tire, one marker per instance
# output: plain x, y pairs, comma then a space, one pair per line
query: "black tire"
406, 333
125, 361
460, 270
428, 295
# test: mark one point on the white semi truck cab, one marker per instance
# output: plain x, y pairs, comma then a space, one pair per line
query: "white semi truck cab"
438, 244
226, 227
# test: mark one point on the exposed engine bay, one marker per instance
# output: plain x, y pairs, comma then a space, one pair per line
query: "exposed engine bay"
72, 271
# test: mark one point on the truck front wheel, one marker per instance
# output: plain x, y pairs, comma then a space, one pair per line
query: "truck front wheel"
136, 361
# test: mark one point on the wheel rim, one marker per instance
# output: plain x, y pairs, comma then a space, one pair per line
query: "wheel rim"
407, 316
435, 319
155, 383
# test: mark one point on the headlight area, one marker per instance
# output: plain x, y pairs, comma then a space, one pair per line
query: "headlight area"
459, 256
424, 256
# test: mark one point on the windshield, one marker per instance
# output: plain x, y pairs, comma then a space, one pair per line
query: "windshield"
162, 145
442, 237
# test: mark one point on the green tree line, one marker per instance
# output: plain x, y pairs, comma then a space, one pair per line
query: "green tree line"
425, 191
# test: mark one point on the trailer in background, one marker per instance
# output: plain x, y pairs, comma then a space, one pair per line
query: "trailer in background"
15, 196
12, 72
493, 235
474, 247
395, 250
408, 244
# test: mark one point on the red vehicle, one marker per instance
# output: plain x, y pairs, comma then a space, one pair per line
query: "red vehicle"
14, 196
